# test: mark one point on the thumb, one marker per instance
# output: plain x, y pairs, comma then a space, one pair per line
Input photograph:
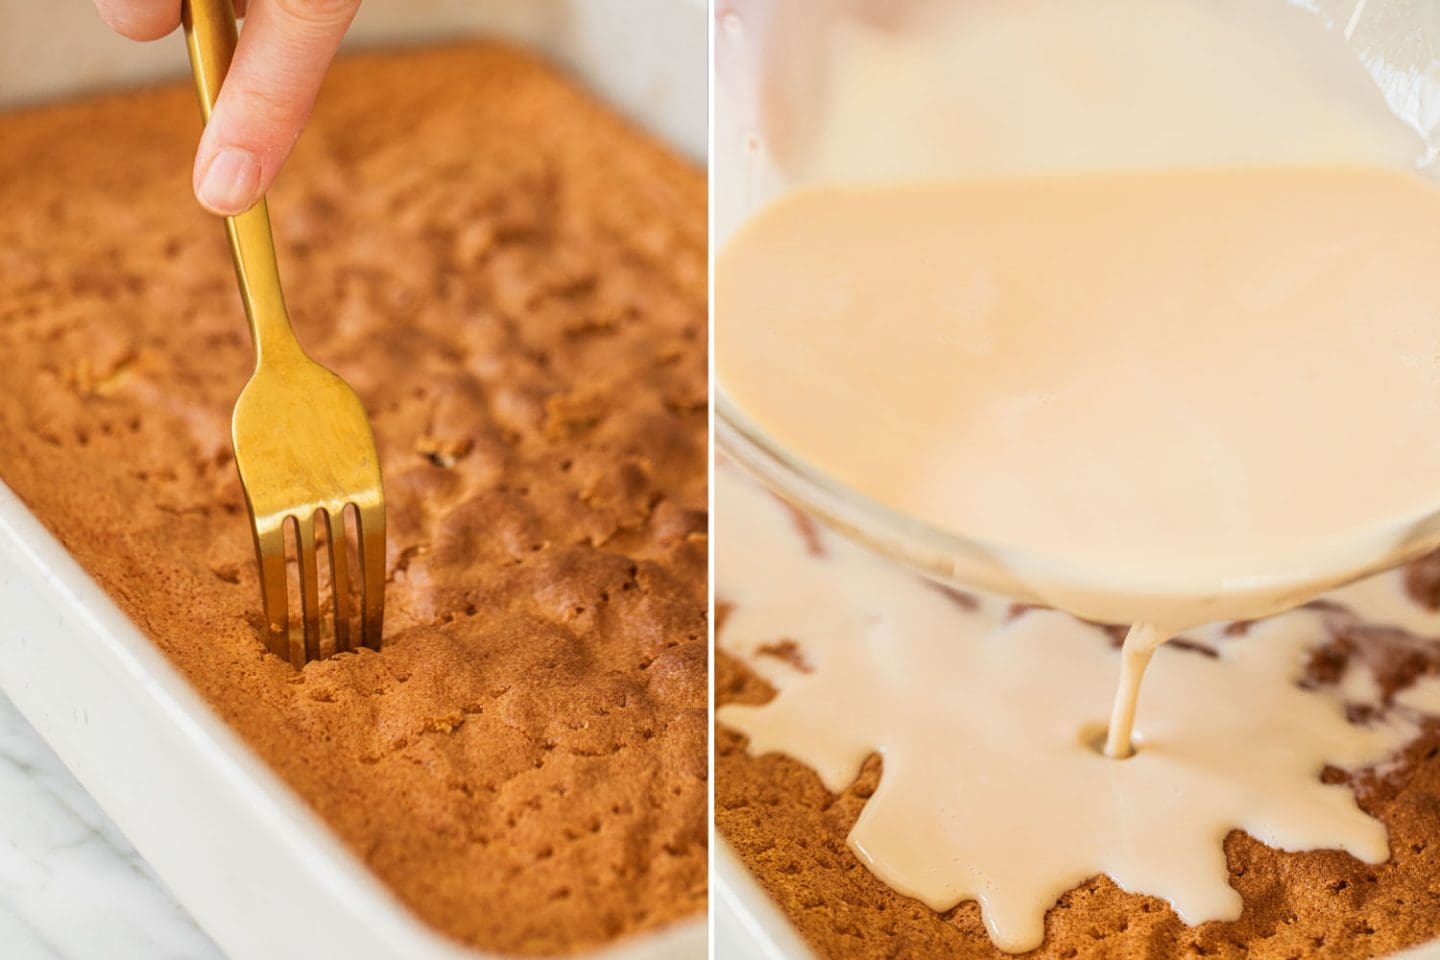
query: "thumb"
280, 61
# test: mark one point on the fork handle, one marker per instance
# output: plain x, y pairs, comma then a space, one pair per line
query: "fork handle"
210, 37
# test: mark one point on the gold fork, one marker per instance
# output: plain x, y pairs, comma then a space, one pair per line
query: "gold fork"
303, 445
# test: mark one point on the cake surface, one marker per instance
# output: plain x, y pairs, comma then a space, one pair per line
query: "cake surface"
514, 281
791, 832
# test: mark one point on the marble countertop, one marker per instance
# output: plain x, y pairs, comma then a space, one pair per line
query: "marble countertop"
71, 886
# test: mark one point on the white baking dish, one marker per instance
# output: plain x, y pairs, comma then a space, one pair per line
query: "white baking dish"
259, 872
766, 51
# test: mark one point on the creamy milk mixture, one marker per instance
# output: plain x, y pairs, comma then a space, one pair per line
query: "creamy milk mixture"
986, 722
1199, 389
1172, 397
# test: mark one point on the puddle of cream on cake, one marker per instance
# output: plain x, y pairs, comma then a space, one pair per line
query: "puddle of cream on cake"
992, 786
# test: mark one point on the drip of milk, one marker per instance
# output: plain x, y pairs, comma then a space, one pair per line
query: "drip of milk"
993, 788
1141, 642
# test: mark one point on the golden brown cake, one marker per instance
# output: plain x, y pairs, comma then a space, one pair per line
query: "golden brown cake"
791, 833
513, 279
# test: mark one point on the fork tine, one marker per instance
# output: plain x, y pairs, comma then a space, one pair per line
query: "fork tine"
270, 551
336, 541
370, 527
309, 588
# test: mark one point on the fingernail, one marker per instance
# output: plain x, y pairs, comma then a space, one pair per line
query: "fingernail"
231, 181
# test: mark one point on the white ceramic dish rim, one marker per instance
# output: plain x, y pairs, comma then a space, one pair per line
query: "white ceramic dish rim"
260, 872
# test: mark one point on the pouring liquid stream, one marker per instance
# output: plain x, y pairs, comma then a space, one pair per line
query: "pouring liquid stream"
1140, 645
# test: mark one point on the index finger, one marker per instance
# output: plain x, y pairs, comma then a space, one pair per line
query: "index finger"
281, 59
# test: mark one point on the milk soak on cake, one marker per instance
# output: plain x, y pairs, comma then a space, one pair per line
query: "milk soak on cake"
987, 718
1177, 390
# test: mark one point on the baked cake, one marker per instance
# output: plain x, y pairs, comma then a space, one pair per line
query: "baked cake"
791, 832
514, 280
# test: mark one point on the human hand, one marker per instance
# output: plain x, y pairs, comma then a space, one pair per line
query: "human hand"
283, 54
